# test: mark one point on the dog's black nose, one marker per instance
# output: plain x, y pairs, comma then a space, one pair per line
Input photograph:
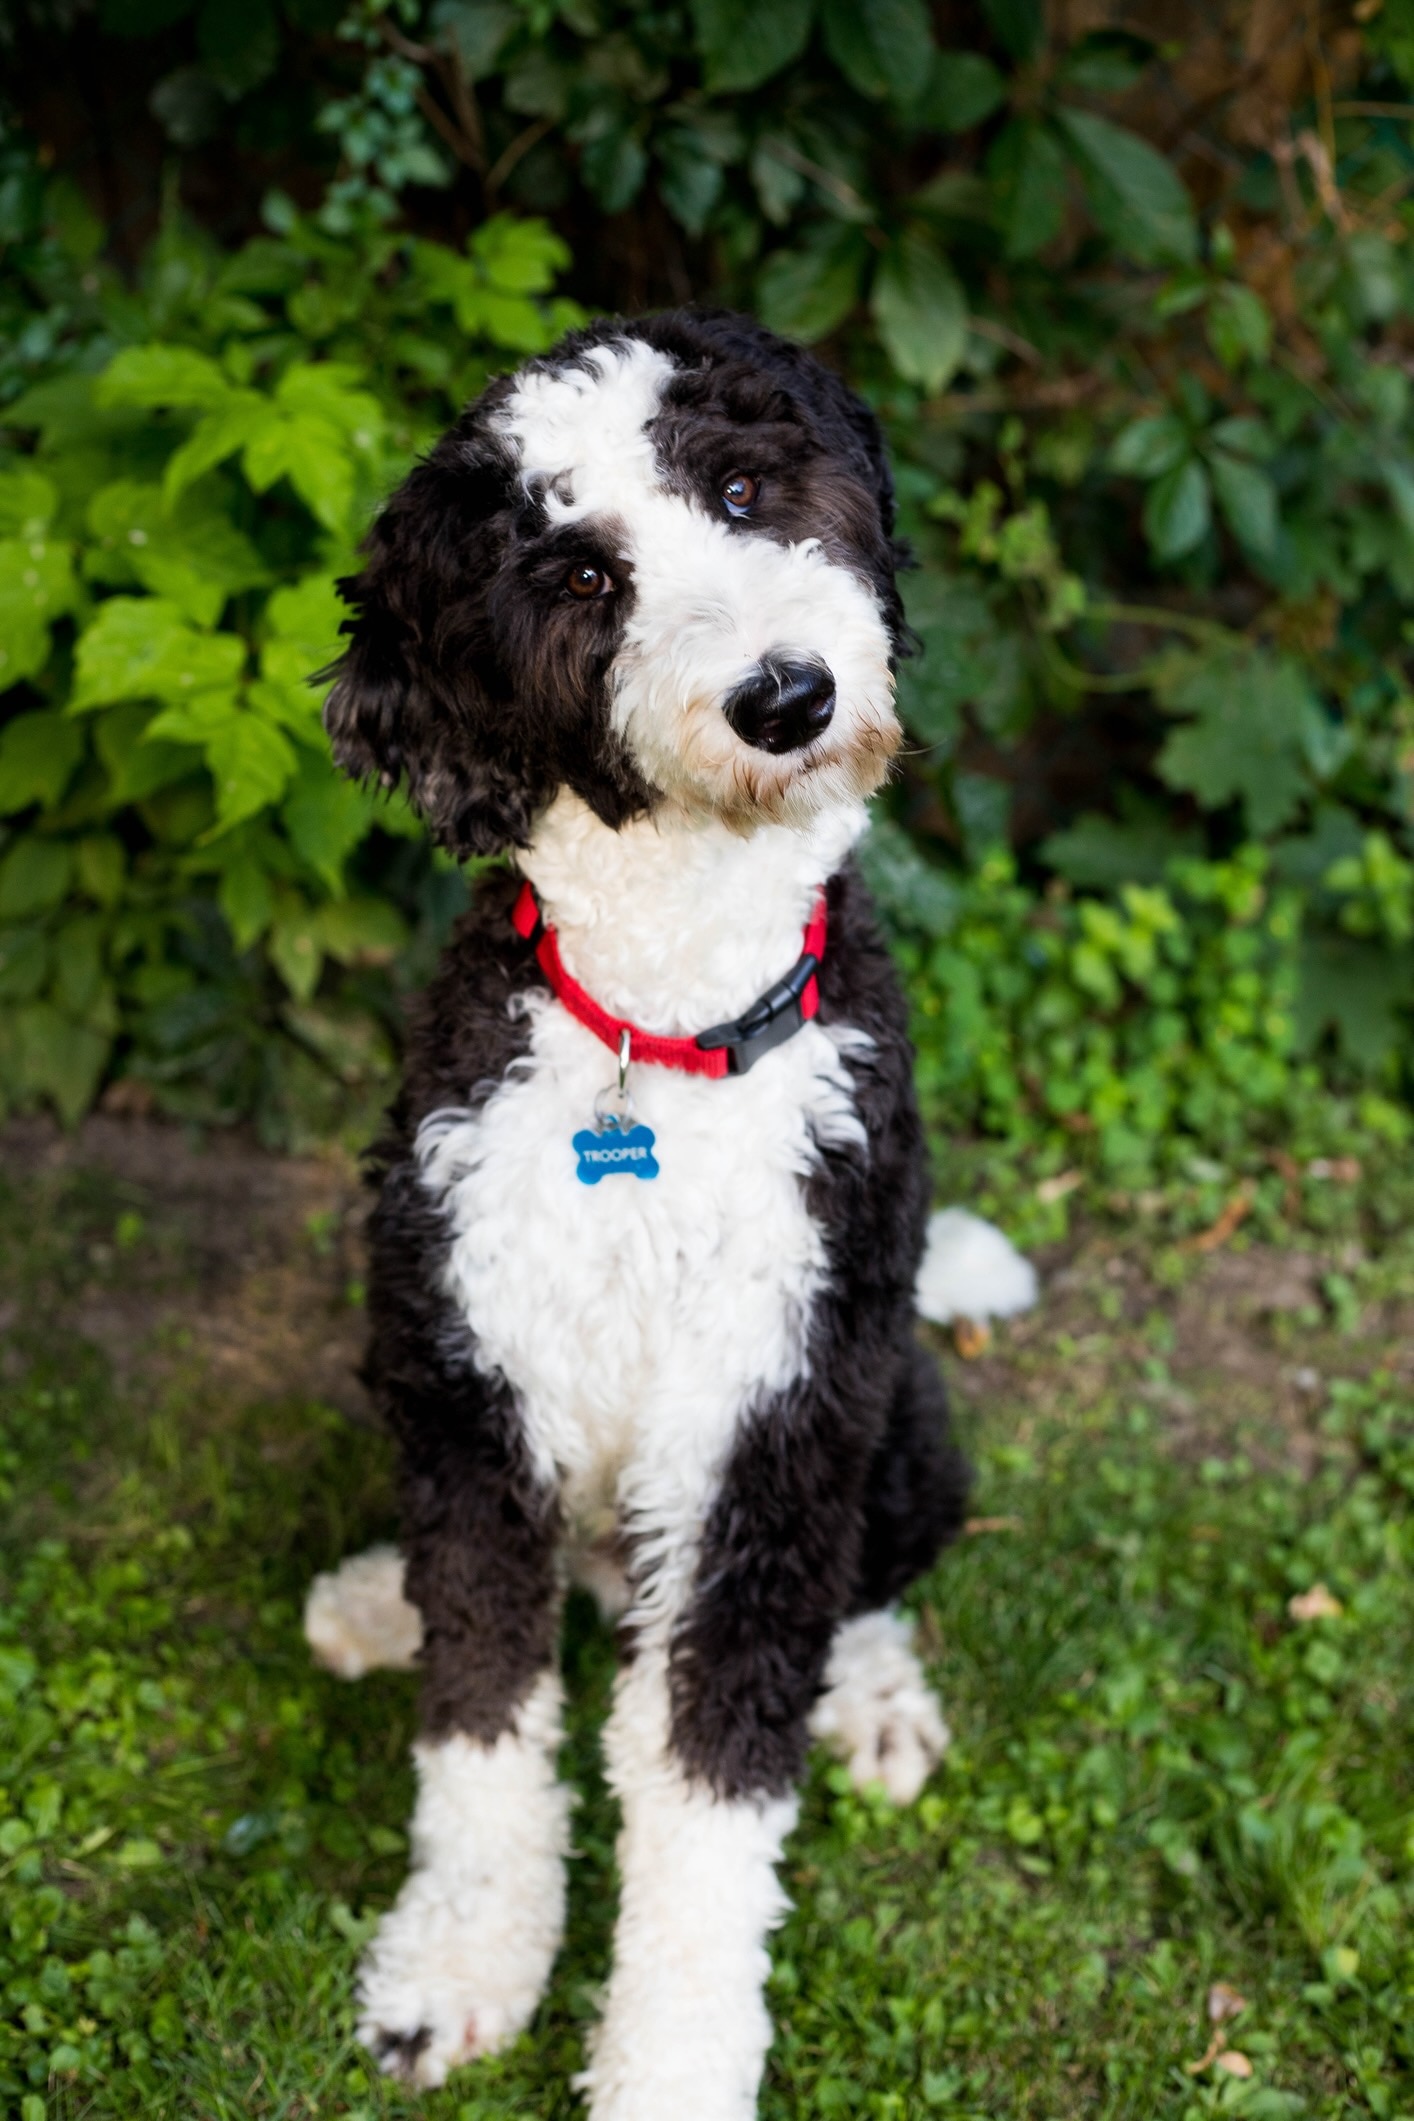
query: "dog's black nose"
782, 705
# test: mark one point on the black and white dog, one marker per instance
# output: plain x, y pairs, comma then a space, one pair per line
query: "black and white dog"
653, 1205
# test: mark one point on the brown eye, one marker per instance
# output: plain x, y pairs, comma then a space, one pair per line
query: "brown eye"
585, 580
740, 492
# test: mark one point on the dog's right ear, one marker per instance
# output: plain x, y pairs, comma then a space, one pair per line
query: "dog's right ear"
417, 695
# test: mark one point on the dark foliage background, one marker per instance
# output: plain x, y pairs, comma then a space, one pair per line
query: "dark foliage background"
1134, 299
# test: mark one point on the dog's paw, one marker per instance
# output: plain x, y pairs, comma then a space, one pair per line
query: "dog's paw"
357, 1620
453, 1973
878, 1712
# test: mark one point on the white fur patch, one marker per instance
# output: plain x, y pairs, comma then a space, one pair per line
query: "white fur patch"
685, 2027
459, 1963
357, 1620
971, 1271
878, 1712
709, 600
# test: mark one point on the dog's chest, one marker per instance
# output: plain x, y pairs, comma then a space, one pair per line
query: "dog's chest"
636, 1319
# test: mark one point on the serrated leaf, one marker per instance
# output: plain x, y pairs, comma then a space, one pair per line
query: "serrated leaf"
143, 648
192, 555
882, 49
251, 763
1177, 510
1248, 500
153, 376
313, 455
38, 753
743, 43
1152, 444
805, 293
921, 312
1359, 990
1251, 721
1137, 197
216, 436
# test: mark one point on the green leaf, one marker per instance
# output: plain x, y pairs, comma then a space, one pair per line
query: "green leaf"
162, 375
24, 963
477, 28
1239, 326
137, 767
913, 893
326, 816
1177, 510
614, 167
27, 502
964, 89
1018, 25
243, 893
1248, 500
36, 586
215, 437
1356, 989
252, 764
805, 293
102, 865
361, 931
192, 554
921, 312
295, 948
38, 753
1252, 721
1028, 176
59, 1059
34, 876
690, 182
239, 46
1153, 443
743, 43
143, 648
1136, 196
884, 48
520, 257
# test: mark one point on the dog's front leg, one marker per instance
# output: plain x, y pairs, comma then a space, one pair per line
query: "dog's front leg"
459, 1963
730, 1631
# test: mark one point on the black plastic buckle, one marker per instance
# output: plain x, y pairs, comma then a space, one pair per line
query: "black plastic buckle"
768, 1023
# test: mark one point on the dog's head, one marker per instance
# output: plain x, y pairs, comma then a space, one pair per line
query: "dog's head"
656, 567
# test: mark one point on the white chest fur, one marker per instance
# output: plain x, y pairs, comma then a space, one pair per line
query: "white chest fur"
637, 1320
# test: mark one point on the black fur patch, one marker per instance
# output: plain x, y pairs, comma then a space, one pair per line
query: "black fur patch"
479, 1529
841, 1490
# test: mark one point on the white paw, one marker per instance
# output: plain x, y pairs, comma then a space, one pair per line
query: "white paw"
357, 1620
878, 1713
445, 1981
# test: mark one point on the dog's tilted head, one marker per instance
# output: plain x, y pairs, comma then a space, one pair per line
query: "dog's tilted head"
656, 567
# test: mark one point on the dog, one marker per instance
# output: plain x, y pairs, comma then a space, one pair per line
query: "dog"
653, 1200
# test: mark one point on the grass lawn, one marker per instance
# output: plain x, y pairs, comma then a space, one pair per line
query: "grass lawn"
1164, 1778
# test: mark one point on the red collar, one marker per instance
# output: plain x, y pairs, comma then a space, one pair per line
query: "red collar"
727, 1049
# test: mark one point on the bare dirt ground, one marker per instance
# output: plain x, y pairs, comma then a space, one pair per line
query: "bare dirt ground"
250, 1265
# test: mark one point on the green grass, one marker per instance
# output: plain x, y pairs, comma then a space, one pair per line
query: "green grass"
1160, 1779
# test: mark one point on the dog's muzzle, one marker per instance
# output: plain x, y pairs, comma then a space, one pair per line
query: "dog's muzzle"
782, 706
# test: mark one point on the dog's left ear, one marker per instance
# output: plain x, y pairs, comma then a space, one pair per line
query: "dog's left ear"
417, 695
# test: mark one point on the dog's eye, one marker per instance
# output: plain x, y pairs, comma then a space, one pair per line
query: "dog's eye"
585, 580
740, 493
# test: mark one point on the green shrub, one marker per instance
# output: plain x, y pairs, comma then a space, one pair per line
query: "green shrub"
181, 861
1133, 313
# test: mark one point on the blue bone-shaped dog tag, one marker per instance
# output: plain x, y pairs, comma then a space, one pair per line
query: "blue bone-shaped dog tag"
615, 1148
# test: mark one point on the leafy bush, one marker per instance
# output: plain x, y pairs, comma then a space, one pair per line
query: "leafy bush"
167, 571
1134, 313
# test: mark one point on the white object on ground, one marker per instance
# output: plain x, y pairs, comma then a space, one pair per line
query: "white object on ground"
971, 1271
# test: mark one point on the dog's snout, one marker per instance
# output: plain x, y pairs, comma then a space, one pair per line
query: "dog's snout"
782, 705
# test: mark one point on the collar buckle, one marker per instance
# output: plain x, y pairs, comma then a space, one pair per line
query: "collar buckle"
772, 1019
